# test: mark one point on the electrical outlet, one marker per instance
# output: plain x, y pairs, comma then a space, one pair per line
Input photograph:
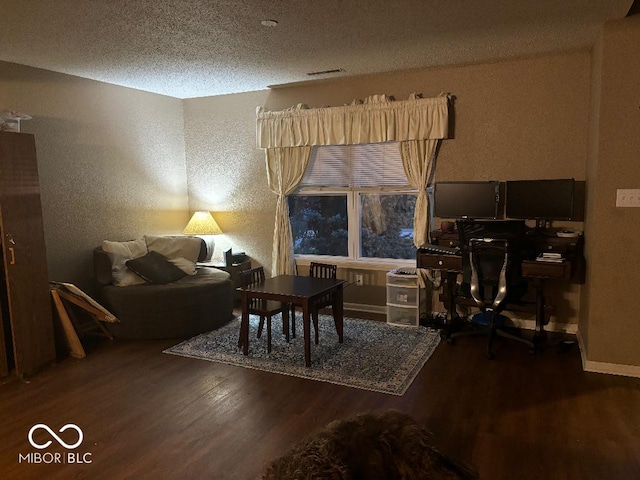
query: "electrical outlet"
628, 197
359, 280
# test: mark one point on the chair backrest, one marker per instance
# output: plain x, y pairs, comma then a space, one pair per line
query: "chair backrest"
253, 276
512, 230
490, 263
323, 270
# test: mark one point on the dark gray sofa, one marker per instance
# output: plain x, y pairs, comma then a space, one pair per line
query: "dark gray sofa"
189, 306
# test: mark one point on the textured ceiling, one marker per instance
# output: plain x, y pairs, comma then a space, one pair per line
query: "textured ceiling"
196, 48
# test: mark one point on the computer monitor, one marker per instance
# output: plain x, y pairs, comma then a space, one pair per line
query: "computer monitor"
466, 199
540, 200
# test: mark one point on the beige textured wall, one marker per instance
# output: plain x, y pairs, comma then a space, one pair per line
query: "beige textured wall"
227, 173
517, 119
111, 162
613, 247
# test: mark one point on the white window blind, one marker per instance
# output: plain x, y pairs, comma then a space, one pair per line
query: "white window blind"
363, 165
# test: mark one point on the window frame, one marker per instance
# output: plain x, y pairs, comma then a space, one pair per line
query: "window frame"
354, 215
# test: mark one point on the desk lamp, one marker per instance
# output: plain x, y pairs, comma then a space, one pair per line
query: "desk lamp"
202, 224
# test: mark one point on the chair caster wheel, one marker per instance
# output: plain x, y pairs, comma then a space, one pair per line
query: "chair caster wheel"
490, 355
451, 341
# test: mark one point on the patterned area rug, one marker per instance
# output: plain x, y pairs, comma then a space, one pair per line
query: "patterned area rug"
374, 356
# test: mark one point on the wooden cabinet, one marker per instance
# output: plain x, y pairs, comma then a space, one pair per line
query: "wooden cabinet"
27, 338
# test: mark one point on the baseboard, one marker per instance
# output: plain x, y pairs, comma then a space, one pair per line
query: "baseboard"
603, 367
552, 326
361, 307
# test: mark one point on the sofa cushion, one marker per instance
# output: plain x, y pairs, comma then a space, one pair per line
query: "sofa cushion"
119, 253
155, 268
192, 305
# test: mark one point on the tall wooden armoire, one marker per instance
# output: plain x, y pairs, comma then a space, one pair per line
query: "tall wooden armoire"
26, 339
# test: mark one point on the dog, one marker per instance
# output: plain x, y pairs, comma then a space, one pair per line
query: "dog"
371, 446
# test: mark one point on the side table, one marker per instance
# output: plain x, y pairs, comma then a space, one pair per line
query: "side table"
233, 270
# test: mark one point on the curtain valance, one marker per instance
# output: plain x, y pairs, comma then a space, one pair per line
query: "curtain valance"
378, 119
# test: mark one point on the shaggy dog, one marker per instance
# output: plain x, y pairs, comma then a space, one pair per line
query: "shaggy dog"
371, 446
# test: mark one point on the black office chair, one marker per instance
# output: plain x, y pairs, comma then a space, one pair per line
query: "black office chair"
492, 268
265, 309
318, 270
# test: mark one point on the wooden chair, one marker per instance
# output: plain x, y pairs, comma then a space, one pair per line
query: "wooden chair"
265, 309
318, 270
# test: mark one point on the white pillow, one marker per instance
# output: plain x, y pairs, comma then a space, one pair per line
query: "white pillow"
175, 247
119, 253
187, 266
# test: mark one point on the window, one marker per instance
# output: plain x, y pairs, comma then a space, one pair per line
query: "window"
386, 225
319, 224
354, 203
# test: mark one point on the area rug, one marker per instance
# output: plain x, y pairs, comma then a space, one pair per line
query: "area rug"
374, 356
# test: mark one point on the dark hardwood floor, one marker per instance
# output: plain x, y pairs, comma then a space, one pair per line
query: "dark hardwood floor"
145, 414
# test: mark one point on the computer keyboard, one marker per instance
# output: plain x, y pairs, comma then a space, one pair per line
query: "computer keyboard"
432, 248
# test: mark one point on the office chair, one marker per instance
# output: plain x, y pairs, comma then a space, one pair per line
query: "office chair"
318, 270
493, 269
265, 309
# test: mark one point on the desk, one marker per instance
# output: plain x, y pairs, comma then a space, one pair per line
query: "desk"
300, 290
535, 271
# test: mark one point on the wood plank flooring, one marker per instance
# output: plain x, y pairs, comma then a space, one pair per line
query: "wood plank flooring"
145, 414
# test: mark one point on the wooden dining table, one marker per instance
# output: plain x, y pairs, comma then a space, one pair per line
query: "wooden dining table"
299, 290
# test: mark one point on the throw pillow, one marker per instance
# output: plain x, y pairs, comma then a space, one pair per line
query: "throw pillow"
187, 266
155, 268
119, 253
174, 247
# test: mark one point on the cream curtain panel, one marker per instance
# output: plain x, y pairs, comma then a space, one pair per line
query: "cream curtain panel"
285, 168
417, 159
377, 119
288, 135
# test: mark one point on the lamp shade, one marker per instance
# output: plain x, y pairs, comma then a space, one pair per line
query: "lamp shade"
202, 223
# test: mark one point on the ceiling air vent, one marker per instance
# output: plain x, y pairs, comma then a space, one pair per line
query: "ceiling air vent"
326, 72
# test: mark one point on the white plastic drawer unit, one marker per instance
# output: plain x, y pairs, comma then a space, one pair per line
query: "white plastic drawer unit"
403, 316
402, 295
402, 279
404, 299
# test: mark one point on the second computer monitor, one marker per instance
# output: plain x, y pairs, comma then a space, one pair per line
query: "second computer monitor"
540, 199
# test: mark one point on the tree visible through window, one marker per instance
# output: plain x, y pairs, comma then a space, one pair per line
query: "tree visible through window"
319, 224
386, 225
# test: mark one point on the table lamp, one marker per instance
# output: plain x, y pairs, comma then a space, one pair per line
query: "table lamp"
202, 224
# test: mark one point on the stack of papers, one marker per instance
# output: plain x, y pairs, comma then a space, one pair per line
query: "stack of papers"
550, 257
